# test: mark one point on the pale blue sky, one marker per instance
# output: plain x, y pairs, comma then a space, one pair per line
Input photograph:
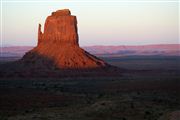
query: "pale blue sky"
99, 23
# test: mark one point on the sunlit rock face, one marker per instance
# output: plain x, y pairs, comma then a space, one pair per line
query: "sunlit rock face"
60, 28
59, 44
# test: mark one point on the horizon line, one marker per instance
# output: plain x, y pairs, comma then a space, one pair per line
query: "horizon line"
93, 45
100, 1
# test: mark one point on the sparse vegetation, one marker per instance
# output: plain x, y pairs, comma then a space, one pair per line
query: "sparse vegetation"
139, 95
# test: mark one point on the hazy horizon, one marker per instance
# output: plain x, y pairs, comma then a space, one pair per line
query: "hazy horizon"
99, 45
99, 23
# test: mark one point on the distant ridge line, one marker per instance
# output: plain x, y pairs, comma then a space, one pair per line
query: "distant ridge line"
120, 50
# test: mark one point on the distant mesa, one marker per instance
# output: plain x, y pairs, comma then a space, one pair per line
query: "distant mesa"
59, 43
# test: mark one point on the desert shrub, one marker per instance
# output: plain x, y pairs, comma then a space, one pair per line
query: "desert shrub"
132, 105
147, 112
124, 118
100, 95
138, 92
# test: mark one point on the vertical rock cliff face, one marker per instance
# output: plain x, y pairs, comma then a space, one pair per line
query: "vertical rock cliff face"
59, 44
60, 28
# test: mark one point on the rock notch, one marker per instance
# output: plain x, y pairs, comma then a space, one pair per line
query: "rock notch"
59, 43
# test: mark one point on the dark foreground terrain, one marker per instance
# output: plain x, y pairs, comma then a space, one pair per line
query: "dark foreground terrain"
149, 91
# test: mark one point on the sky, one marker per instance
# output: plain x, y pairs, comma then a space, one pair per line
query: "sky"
100, 22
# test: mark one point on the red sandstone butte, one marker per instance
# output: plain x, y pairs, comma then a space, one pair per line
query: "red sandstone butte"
60, 44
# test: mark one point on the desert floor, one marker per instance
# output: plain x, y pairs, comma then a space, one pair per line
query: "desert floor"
150, 92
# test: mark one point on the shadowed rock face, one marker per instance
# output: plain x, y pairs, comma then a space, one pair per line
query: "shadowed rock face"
59, 44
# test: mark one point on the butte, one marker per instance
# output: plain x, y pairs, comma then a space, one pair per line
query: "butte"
58, 46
